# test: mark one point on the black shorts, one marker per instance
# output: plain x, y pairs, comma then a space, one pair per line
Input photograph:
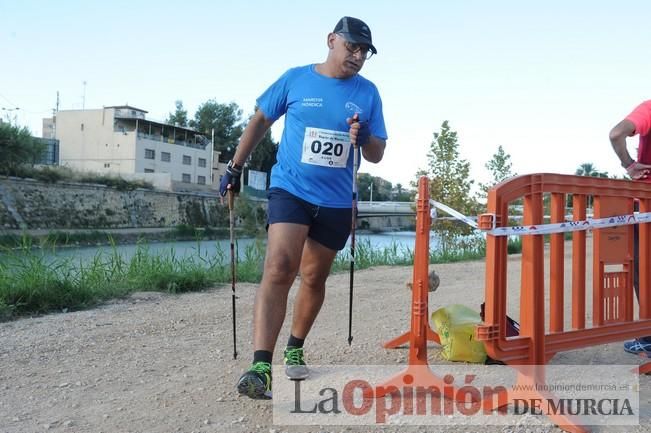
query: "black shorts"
329, 226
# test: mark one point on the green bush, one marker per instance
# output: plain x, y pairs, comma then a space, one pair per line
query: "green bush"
48, 174
52, 174
18, 148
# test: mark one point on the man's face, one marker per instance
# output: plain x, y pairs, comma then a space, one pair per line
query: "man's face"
349, 57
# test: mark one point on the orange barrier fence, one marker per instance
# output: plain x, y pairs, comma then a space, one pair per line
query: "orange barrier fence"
612, 315
612, 302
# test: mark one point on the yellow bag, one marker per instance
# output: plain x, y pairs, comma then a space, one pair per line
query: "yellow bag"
455, 325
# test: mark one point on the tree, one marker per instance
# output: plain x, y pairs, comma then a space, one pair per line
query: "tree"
382, 189
17, 147
263, 156
589, 169
450, 182
500, 168
225, 120
401, 194
179, 117
364, 181
419, 173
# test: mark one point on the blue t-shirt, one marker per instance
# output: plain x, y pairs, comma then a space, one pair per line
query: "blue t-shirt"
315, 157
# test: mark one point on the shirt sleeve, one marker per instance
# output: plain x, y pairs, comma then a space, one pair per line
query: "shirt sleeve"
376, 121
641, 118
273, 102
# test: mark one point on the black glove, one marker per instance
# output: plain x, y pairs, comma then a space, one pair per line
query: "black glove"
231, 180
363, 134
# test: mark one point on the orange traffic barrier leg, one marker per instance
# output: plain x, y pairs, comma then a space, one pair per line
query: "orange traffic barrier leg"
528, 387
404, 338
420, 286
419, 377
644, 368
418, 374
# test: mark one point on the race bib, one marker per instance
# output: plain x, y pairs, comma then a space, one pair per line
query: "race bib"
325, 147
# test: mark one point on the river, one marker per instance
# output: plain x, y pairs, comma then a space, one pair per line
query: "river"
403, 241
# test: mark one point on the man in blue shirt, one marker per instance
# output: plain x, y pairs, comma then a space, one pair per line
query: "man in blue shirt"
328, 109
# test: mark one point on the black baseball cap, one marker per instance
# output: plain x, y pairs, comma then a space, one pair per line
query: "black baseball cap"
356, 31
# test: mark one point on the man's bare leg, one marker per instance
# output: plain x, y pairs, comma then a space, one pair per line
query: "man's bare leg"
285, 243
315, 268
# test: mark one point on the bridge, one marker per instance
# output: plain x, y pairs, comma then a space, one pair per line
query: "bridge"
370, 209
385, 215
380, 215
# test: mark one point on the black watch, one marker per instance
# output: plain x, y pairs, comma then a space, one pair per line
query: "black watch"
235, 166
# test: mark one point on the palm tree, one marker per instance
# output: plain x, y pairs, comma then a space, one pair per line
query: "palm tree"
586, 169
589, 169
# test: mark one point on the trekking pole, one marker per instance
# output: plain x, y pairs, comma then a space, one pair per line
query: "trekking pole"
231, 218
352, 242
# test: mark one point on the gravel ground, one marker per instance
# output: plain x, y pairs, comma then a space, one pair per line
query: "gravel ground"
164, 363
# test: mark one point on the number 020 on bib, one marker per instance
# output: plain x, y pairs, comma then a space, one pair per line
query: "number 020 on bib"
325, 147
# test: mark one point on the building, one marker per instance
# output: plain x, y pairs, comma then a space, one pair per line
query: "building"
121, 140
50, 154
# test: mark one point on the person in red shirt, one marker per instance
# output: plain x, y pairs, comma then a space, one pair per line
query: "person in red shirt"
636, 123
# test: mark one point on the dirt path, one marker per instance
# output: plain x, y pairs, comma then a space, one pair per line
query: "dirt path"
163, 363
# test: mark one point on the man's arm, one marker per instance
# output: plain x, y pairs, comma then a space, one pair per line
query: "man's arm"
251, 136
618, 135
373, 151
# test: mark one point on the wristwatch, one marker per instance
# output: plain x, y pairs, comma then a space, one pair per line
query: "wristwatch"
235, 166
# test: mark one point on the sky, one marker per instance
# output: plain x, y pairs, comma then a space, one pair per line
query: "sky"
545, 80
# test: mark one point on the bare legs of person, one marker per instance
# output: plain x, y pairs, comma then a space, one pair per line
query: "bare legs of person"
288, 250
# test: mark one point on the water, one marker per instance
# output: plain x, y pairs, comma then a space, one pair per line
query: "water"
402, 240
210, 248
180, 249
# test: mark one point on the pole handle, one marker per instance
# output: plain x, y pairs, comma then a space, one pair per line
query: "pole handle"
231, 200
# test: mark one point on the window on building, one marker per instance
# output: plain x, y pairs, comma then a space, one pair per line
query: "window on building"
107, 165
149, 170
187, 160
150, 154
202, 162
186, 178
165, 156
201, 180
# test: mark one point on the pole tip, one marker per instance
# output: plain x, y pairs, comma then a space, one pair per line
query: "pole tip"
350, 340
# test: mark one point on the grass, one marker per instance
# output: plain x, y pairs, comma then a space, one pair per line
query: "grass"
36, 281
99, 237
53, 174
